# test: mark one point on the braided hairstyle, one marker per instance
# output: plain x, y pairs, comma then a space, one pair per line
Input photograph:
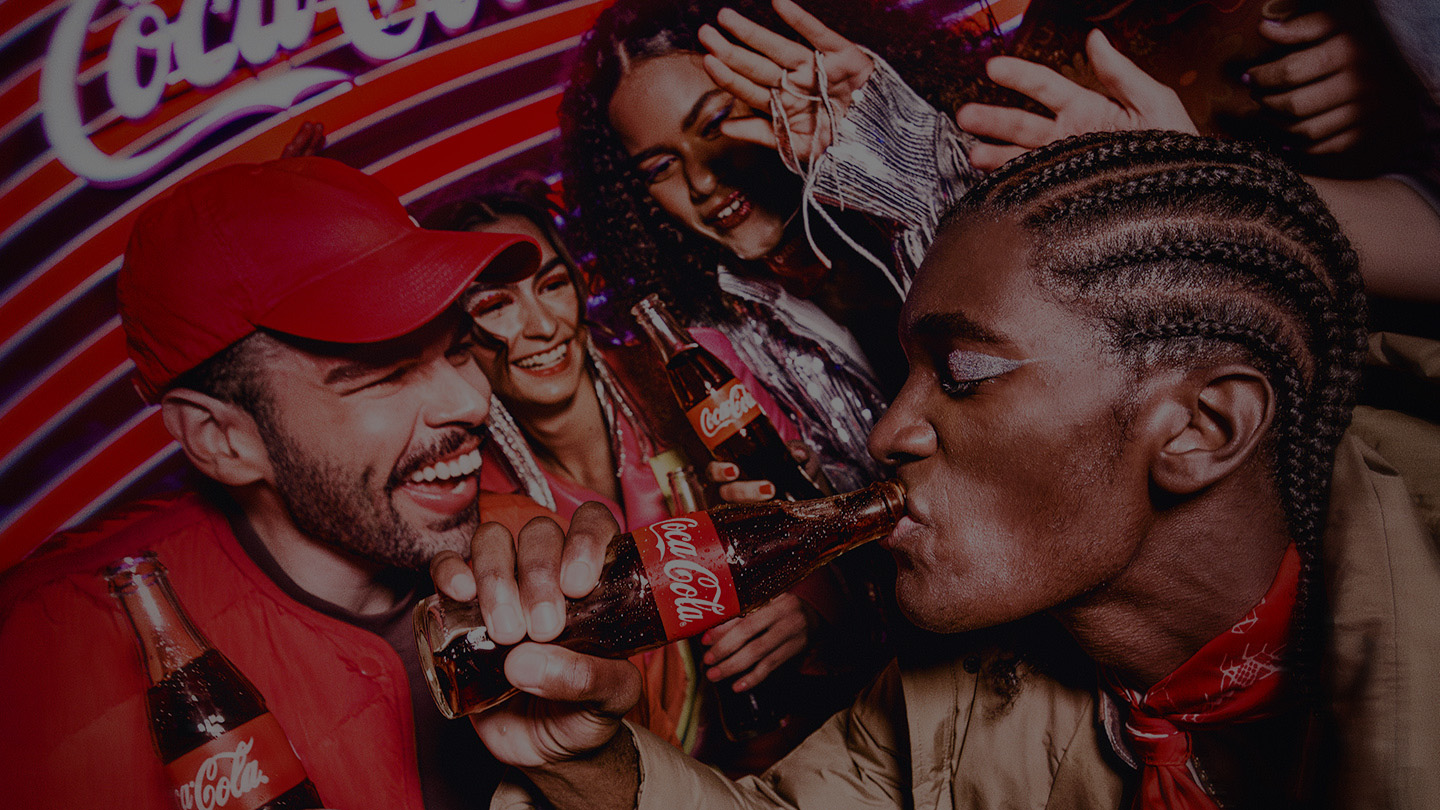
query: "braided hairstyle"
1186, 249
632, 242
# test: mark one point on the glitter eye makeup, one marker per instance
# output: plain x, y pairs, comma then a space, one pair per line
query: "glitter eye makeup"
965, 366
478, 300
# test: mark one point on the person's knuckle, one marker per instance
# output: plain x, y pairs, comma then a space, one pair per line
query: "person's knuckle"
1311, 129
1344, 140
1290, 71
1284, 104
574, 675
444, 560
1345, 47
494, 587
1315, 25
488, 535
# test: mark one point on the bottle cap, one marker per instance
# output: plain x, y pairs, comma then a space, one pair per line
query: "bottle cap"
122, 573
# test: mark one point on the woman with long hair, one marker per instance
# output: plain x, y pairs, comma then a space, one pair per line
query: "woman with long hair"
572, 424
671, 202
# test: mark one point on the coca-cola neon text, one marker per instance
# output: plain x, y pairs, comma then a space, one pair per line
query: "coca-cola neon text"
150, 51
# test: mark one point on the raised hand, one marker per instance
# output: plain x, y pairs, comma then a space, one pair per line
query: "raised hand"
573, 702
775, 69
1319, 85
1134, 101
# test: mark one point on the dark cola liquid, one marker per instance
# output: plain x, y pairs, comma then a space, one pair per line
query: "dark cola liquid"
617, 620
201, 701
769, 547
784, 542
760, 709
756, 448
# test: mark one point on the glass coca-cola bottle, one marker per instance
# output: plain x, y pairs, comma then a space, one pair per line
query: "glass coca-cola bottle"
220, 745
661, 583
721, 409
765, 706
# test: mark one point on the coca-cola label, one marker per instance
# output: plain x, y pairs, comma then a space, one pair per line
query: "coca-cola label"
689, 575
723, 413
242, 769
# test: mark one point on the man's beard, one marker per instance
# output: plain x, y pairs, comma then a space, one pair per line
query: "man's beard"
339, 509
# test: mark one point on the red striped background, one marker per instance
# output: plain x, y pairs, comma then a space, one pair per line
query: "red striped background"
453, 117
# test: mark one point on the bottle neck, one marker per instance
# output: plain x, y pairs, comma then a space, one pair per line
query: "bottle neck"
168, 641
870, 513
665, 332
686, 491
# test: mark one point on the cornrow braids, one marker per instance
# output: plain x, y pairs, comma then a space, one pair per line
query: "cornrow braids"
1185, 248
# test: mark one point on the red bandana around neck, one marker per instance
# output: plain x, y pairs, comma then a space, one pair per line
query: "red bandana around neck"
1236, 677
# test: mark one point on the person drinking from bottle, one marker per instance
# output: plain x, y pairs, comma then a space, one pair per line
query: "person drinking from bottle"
1123, 437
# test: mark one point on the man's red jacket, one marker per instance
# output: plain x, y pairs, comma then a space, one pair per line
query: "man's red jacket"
73, 728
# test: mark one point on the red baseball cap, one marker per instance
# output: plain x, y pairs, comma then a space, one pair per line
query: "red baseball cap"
304, 246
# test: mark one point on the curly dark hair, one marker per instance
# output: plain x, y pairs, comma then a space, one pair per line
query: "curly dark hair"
1181, 247
635, 244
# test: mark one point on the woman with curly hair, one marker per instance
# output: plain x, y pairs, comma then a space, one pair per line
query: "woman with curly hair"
571, 424
671, 201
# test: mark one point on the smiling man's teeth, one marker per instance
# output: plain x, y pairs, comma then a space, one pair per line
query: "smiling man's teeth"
545, 359
445, 470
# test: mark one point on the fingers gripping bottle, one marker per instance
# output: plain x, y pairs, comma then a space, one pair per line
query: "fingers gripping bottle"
220, 745
720, 408
661, 583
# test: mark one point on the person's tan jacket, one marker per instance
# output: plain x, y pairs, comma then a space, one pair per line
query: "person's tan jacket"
942, 737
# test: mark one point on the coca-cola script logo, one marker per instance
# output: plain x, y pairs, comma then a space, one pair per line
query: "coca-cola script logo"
226, 775
149, 51
725, 411
697, 591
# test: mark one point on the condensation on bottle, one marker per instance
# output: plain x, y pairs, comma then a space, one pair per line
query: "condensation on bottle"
218, 742
671, 580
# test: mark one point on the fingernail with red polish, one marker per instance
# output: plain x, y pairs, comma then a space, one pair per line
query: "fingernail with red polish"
767, 490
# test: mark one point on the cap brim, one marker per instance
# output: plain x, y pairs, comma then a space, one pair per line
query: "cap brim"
400, 287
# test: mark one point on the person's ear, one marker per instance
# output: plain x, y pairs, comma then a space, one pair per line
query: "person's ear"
1209, 423
221, 439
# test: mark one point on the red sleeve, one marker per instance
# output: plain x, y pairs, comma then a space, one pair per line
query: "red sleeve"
720, 346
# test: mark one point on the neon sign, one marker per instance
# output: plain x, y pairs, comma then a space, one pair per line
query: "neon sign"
150, 51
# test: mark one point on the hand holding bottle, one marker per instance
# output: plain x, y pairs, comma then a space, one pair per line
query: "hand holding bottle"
573, 702
733, 490
755, 645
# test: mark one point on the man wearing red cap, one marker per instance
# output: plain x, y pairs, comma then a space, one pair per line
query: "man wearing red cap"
296, 329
